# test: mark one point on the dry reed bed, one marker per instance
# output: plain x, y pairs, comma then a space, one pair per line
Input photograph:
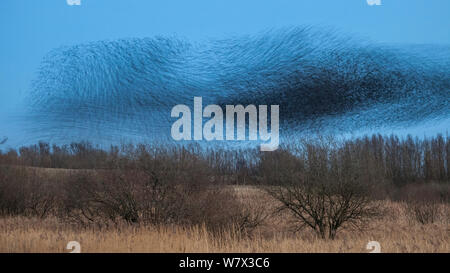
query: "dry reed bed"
395, 232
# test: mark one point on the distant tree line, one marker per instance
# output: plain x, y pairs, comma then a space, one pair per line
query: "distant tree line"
377, 158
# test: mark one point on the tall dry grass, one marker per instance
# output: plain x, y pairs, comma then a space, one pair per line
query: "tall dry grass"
395, 232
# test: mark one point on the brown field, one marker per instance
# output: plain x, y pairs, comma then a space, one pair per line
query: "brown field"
394, 231
336, 195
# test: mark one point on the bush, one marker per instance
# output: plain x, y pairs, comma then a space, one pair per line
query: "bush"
424, 212
24, 192
156, 191
325, 206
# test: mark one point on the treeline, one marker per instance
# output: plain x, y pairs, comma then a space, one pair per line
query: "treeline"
325, 183
381, 158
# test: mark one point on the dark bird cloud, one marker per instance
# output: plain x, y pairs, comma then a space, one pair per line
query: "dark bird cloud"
322, 80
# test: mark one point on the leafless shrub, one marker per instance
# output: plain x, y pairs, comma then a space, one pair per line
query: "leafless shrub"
42, 196
219, 209
24, 192
12, 191
325, 206
102, 197
424, 212
157, 190
251, 216
424, 202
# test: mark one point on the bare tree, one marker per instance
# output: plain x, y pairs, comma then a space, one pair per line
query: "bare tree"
325, 206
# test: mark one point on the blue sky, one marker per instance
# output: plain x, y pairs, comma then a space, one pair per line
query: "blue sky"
29, 28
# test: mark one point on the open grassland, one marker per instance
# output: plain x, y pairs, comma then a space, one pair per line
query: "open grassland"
318, 195
394, 231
